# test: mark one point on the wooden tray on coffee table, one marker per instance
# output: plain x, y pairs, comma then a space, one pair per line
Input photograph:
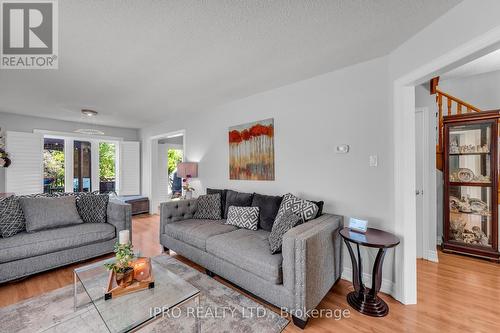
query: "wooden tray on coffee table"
113, 290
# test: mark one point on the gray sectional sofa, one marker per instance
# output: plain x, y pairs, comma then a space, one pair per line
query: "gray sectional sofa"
28, 253
295, 280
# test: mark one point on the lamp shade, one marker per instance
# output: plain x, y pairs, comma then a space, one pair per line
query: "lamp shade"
185, 169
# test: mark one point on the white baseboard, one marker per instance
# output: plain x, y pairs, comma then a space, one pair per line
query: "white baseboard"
387, 286
432, 256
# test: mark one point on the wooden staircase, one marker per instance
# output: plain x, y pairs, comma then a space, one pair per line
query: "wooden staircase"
453, 106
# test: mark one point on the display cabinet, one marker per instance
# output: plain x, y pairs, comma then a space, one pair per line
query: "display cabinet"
470, 184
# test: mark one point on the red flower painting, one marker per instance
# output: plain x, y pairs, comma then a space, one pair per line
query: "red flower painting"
251, 151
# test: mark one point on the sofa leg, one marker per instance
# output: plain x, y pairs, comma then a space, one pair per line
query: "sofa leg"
209, 273
299, 322
166, 250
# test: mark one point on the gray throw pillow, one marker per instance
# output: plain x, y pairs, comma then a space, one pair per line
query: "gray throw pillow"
11, 217
243, 217
306, 210
285, 222
93, 208
45, 213
238, 199
208, 207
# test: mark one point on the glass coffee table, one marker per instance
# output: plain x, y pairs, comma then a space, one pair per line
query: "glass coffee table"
132, 311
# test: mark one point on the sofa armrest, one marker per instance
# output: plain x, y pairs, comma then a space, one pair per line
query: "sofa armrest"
178, 210
312, 260
120, 215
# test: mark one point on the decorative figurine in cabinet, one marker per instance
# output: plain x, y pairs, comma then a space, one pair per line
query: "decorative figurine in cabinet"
471, 184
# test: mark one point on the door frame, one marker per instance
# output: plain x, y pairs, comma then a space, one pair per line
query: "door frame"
403, 92
153, 163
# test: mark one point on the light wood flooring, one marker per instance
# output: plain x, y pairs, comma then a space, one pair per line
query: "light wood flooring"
460, 294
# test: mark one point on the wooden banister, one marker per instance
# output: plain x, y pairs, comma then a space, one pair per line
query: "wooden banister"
450, 101
458, 101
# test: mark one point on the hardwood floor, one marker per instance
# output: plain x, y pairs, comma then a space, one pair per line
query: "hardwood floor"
458, 294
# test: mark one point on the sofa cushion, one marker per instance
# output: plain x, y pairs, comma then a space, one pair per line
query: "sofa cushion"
305, 209
243, 217
285, 222
25, 245
222, 199
45, 213
249, 250
208, 207
11, 217
93, 207
238, 199
268, 209
320, 205
196, 232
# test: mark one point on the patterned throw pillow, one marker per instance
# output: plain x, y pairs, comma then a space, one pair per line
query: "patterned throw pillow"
93, 207
11, 217
306, 210
285, 222
243, 217
208, 207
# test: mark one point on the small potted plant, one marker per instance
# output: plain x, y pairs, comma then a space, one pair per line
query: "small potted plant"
188, 189
124, 272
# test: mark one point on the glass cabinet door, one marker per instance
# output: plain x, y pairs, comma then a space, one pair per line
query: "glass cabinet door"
470, 184
470, 215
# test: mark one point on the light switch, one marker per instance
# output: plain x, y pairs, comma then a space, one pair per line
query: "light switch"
373, 160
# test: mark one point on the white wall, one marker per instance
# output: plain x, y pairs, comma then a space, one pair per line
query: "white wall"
480, 90
311, 117
21, 123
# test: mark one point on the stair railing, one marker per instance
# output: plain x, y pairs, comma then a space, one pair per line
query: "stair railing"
461, 107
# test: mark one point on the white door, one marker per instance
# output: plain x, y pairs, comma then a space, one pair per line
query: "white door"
419, 174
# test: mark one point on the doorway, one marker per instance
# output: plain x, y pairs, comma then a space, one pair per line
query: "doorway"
166, 152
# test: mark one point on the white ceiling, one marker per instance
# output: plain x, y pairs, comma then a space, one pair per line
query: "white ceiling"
485, 64
138, 61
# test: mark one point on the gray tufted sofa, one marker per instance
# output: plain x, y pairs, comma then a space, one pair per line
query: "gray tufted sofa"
295, 280
28, 253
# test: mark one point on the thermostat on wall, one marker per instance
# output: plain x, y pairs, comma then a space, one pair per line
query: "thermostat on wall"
342, 149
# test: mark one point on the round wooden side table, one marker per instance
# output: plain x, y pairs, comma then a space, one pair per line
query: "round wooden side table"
363, 299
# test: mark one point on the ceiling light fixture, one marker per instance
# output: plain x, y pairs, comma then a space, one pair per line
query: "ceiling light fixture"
89, 114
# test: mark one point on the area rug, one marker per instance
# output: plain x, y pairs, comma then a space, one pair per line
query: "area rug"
53, 311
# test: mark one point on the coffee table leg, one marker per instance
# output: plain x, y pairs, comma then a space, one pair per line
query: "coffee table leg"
74, 290
197, 320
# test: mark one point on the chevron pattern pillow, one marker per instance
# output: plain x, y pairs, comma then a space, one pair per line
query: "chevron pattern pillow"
306, 210
243, 217
11, 217
285, 222
208, 207
93, 208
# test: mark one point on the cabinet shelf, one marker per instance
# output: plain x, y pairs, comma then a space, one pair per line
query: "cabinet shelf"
466, 154
481, 184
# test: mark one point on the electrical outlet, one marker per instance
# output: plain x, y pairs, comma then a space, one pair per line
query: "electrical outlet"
373, 160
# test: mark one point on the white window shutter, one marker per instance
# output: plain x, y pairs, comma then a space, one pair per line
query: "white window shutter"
130, 168
25, 174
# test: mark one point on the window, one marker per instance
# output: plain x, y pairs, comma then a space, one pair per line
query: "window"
107, 167
175, 183
82, 166
53, 165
